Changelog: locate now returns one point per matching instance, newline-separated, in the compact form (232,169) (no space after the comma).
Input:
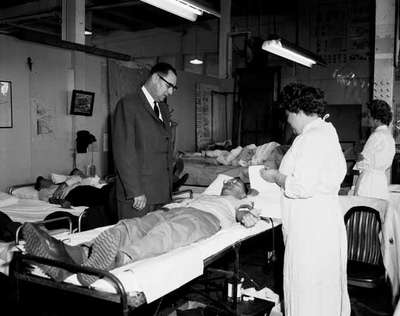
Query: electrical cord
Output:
(273,240)
(158,306)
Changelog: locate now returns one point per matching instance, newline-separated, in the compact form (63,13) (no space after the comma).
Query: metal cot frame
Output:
(127,302)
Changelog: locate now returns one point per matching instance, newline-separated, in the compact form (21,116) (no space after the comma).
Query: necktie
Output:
(156,110)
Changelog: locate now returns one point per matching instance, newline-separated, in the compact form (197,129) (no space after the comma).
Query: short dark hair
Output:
(162,68)
(380,111)
(38,183)
(296,96)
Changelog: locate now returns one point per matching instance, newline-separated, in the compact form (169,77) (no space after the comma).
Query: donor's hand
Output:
(246,218)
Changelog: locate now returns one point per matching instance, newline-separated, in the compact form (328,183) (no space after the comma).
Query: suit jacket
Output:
(142,150)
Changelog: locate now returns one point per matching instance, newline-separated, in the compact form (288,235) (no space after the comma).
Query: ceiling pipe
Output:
(111,6)
(46,39)
(24,27)
(30,17)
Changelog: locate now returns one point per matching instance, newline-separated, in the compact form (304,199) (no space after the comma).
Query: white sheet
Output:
(7,199)
(28,210)
(26,192)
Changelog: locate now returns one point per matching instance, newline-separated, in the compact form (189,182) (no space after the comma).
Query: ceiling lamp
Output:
(181,8)
(88,32)
(285,49)
(196,61)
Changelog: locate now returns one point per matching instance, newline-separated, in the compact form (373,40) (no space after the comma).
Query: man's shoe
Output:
(41,244)
(103,256)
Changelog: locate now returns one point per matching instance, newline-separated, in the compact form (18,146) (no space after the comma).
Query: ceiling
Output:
(108,16)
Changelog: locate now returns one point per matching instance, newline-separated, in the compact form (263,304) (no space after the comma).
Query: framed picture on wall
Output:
(6,118)
(82,103)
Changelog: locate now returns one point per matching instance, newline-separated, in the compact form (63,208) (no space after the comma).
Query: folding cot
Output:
(146,280)
(28,207)
(21,204)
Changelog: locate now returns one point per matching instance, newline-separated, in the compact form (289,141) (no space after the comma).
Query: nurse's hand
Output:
(269,175)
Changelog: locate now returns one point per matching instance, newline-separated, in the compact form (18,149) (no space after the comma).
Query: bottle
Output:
(238,291)
(91,170)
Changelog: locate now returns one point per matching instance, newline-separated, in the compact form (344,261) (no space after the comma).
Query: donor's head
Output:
(234,187)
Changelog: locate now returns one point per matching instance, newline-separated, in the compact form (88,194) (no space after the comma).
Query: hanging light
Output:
(184,9)
(285,49)
(196,60)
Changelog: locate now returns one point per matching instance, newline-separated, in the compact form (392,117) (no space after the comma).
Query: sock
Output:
(77,254)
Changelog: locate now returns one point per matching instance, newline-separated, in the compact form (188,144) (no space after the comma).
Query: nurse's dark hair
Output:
(162,68)
(380,111)
(297,96)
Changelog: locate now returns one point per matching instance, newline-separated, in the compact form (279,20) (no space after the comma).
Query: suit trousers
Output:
(162,231)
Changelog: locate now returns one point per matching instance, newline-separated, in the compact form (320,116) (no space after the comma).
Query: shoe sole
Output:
(103,256)
(35,245)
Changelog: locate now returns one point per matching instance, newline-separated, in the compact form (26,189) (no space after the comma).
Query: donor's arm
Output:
(245,216)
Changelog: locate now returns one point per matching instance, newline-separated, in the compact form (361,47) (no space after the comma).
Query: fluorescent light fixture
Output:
(196,61)
(180,8)
(87,32)
(285,49)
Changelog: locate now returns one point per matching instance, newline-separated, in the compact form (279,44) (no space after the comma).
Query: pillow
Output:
(215,187)
(58,178)
(7,199)
(26,192)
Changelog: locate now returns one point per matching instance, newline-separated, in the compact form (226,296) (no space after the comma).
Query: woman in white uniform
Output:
(377,155)
(315,280)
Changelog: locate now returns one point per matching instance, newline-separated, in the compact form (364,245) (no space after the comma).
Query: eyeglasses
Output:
(232,181)
(169,84)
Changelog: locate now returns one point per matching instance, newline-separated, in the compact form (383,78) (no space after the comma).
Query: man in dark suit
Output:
(142,145)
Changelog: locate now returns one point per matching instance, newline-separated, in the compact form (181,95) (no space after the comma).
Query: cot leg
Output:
(236,277)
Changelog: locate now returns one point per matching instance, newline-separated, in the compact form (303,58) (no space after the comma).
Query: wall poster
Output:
(204,116)
(6,119)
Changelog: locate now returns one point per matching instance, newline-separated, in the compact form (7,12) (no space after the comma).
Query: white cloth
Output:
(378,153)
(215,187)
(27,210)
(259,184)
(397,311)
(262,153)
(7,199)
(315,280)
(391,242)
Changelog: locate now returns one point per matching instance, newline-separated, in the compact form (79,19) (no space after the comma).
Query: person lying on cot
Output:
(142,237)
(76,190)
